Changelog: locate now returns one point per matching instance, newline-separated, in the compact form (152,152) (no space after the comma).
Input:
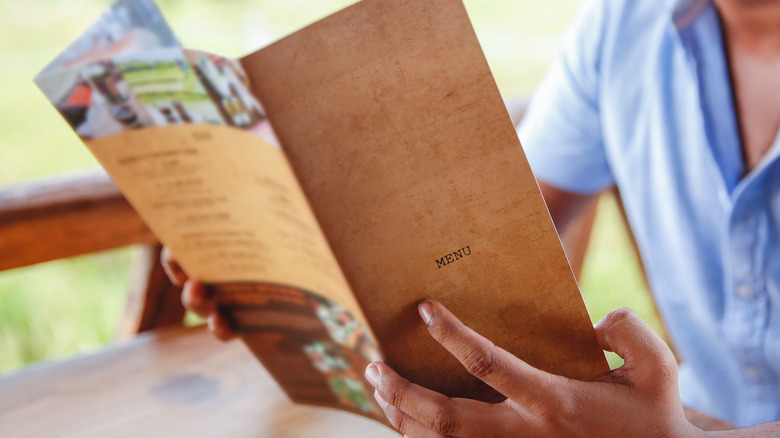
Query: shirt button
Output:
(746,292)
(752,373)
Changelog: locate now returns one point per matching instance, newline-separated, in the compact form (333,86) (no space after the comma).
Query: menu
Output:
(324,185)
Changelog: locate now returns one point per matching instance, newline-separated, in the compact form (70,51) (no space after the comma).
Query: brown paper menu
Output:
(399,178)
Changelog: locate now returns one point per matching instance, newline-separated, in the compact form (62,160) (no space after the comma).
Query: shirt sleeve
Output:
(561,132)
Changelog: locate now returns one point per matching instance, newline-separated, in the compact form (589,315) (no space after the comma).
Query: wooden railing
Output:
(81,213)
(65,216)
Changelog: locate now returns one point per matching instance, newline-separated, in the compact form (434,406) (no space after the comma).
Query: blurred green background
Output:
(65,307)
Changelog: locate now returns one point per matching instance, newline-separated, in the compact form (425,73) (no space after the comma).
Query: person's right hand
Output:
(196,297)
(639,399)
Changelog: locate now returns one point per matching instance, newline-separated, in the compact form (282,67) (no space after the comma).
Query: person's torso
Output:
(710,236)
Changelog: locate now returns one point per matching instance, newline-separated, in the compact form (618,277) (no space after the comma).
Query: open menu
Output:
(324,185)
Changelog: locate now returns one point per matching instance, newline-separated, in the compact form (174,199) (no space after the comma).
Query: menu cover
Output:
(324,185)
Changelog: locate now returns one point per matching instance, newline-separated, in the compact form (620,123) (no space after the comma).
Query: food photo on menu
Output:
(86,84)
(129,71)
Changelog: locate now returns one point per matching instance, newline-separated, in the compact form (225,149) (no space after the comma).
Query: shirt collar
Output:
(684,12)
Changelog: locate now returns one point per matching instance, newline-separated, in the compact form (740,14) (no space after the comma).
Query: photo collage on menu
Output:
(314,347)
(128,71)
(347,334)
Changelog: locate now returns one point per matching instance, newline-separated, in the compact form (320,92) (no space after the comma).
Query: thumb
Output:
(647,356)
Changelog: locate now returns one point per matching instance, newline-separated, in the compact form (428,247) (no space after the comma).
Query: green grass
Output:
(64,307)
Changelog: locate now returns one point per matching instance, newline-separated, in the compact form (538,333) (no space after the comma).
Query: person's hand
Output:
(196,298)
(639,399)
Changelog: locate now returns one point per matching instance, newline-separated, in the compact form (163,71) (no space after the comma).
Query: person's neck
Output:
(753,24)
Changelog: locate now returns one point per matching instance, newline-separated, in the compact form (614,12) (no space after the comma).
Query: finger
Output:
(495,366)
(404,423)
(645,353)
(196,297)
(443,415)
(172,268)
(220,327)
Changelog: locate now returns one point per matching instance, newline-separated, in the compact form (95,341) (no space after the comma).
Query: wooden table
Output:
(175,382)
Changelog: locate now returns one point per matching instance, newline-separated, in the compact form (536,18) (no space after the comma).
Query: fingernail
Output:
(426,310)
(382,403)
(372,375)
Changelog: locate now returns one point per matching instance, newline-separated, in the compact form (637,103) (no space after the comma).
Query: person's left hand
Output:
(639,399)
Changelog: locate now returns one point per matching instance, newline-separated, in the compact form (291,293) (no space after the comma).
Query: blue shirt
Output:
(641,97)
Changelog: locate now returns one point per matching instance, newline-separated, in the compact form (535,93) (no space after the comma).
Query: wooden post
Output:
(153,301)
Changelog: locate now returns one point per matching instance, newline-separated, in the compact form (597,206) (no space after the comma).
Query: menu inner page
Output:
(228,206)
(192,150)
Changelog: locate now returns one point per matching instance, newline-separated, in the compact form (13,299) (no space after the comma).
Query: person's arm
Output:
(564,206)
(639,399)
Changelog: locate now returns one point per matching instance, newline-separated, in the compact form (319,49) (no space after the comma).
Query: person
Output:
(677,103)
